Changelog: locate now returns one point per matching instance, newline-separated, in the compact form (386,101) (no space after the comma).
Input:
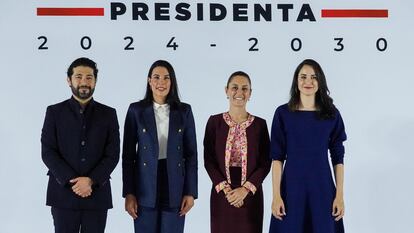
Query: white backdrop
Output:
(372,89)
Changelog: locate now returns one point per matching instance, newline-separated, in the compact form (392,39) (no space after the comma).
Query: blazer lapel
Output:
(174,127)
(149,121)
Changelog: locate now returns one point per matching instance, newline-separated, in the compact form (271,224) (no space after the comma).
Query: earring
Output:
(227,97)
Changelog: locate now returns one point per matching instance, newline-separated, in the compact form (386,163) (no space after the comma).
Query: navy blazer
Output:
(75,143)
(140,154)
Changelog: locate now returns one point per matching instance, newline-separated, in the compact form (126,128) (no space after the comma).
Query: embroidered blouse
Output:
(236,151)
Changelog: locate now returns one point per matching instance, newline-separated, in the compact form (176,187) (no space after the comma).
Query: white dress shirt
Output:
(162,119)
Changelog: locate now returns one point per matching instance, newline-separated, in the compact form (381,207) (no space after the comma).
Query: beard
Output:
(83,94)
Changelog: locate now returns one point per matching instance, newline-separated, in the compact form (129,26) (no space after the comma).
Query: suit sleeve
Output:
(51,156)
(190,155)
(263,166)
(101,173)
(278,139)
(338,136)
(129,153)
(210,161)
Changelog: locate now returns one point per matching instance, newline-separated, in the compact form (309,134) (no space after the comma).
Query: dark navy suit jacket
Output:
(75,143)
(140,154)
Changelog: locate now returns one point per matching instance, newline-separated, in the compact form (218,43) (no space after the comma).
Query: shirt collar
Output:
(76,105)
(158,106)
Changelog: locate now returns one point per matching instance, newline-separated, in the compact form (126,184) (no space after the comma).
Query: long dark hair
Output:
(173,98)
(323,102)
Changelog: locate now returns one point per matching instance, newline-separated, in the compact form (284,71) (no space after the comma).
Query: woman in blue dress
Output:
(305,199)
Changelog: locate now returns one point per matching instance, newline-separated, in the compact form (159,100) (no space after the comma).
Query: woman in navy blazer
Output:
(159,159)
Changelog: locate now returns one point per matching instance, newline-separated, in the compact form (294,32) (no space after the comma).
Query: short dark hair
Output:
(239,73)
(323,102)
(173,98)
(83,61)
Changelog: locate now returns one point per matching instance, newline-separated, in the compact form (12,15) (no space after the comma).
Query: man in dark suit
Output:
(80,147)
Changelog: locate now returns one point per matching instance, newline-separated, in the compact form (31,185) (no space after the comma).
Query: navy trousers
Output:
(162,218)
(75,221)
(158,220)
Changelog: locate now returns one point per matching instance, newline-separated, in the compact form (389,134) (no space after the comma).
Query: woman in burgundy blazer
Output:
(236,157)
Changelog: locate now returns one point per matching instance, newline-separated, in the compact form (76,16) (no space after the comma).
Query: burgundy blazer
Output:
(258,160)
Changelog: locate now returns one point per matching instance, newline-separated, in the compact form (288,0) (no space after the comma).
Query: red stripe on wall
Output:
(44,11)
(353,13)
